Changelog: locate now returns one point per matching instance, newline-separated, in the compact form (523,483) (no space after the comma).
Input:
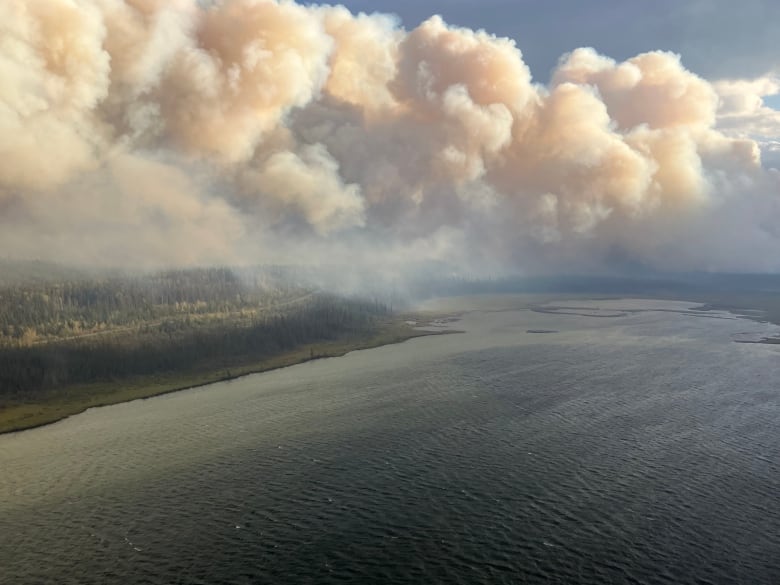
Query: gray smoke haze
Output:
(168,132)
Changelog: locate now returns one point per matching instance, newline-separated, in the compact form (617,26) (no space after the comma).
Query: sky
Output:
(495,137)
(717,38)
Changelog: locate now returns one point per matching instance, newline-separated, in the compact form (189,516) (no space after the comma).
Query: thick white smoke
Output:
(166,131)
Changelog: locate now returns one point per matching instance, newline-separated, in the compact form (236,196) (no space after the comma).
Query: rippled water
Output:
(621,446)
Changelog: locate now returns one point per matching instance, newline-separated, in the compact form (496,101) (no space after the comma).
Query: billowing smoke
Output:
(154,132)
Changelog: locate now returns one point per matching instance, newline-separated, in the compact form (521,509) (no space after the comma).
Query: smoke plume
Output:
(158,132)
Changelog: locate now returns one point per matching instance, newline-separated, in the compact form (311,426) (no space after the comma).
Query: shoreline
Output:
(68,402)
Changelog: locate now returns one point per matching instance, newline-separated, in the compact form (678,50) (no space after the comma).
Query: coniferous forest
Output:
(57,334)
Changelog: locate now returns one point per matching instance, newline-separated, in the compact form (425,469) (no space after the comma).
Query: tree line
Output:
(178,346)
(45,310)
(57,334)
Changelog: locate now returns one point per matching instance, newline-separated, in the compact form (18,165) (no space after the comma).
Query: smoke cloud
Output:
(159,132)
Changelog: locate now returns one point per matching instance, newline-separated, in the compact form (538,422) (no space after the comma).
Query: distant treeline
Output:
(672,284)
(50,309)
(756,295)
(57,333)
(649,284)
(180,346)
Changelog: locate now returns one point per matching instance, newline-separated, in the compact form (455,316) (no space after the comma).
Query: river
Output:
(621,441)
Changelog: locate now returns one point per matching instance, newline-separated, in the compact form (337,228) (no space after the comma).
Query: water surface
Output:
(634,442)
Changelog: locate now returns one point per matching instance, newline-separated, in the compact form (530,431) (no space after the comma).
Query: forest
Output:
(57,334)
(46,310)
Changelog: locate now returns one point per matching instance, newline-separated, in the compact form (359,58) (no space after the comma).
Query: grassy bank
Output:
(61,403)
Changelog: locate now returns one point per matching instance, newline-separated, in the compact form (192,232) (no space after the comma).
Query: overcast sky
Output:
(716,38)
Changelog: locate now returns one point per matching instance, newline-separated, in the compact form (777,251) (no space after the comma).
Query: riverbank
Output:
(57,405)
